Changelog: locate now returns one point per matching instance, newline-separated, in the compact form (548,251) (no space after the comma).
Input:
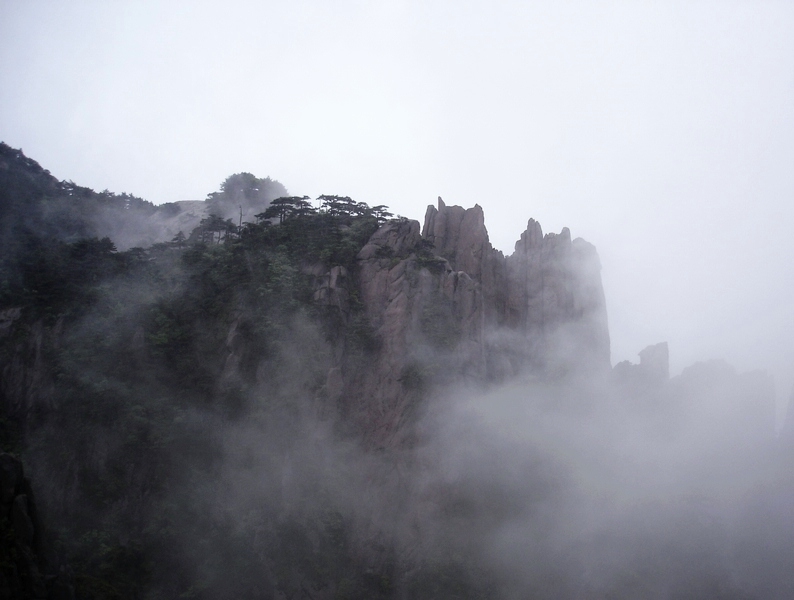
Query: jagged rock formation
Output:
(549,285)
(449,308)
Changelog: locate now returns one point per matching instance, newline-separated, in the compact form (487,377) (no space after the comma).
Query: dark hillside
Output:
(128,377)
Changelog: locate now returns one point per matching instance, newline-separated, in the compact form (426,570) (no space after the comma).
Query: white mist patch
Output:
(585,488)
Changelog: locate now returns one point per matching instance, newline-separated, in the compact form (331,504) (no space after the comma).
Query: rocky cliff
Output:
(440,307)
(198,418)
(449,309)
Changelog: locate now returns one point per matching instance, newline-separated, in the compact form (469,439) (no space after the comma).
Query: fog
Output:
(662,132)
(621,486)
(195,420)
(588,485)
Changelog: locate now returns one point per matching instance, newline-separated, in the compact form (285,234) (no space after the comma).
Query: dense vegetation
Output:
(146,431)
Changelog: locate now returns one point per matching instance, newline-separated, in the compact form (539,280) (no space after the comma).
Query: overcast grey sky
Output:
(663,132)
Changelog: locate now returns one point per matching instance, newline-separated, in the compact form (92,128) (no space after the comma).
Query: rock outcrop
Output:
(447,308)
(555,300)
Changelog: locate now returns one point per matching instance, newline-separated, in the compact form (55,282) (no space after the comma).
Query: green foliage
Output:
(142,351)
(52,277)
(427,259)
(207,230)
(127,451)
(243,192)
(37,212)
(434,264)
(332,236)
(288,207)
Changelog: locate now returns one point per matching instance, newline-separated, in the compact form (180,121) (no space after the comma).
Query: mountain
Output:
(33,202)
(333,403)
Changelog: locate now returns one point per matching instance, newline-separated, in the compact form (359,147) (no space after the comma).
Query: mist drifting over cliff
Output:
(330,402)
(583,490)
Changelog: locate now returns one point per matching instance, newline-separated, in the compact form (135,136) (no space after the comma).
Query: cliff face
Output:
(448,308)
(438,307)
(550,287)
